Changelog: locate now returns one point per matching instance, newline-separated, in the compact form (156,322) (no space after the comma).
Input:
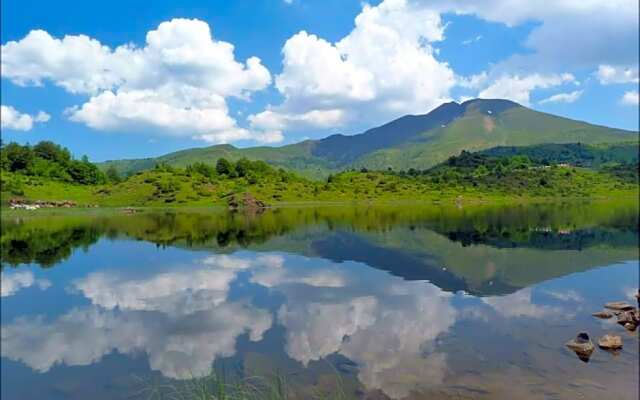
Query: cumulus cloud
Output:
(11,283)
(518,88)
(386,66)
(13,119)
(608,74)
(177,84)
(630,98)
(563,97)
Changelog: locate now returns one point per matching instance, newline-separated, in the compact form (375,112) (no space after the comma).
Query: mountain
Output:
(412,141)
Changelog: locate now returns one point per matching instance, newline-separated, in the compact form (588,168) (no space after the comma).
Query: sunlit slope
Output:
(481,128)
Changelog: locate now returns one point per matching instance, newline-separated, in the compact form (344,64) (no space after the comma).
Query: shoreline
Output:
(631,198)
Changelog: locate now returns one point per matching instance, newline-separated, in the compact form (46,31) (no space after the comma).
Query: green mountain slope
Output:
(412,141)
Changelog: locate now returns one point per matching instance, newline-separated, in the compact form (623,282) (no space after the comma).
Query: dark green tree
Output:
(223,166)
(17,158)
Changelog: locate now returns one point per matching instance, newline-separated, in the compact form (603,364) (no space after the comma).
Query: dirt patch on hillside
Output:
(489,124)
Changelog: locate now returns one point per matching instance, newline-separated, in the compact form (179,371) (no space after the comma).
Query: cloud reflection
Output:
(184,317)
(181,319)
(11,283)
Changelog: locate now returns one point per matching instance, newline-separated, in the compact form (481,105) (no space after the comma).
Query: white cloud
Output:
(630,98)
(568,33)
(275,120)
(13,119)
(11,283)
(386,66)
(475,39)
(518,88)
(177,84)
(563,97)
(608,74)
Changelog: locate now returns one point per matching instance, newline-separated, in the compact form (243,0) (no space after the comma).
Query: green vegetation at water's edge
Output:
(47,172)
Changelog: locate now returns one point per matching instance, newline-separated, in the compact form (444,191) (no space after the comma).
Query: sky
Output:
(127,79)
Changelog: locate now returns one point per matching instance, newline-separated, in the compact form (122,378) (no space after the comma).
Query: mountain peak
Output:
(495,106)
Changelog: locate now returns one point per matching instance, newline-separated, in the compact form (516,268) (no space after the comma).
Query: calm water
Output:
(391,302)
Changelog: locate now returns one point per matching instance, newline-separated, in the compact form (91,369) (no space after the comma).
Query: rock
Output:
(245,202)
(610,342)
(603,314)
(626,316)
(27,205)
(582,346)
(630,326)
(619,305)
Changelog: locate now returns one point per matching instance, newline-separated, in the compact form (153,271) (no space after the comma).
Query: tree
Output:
(243,166)
(223,166)
(85,173)
(17,158)
(52,152)
(113,175)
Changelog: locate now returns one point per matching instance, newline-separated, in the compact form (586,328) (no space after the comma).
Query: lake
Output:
(404,302)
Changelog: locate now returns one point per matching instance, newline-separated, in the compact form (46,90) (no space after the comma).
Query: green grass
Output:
(160,189)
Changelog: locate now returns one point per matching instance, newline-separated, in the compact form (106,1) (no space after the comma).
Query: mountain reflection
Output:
(481,250)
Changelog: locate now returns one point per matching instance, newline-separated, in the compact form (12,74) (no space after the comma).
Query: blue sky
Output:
(125,79)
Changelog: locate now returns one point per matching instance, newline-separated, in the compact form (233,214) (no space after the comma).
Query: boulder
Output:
(610,342)
(626,316)
(582,346)
(245,201)
(603,314)
(619,305)
(630,326)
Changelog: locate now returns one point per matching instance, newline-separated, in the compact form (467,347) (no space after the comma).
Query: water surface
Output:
(386,302)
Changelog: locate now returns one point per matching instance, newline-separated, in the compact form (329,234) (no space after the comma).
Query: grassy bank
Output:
(48,173)
(161,188)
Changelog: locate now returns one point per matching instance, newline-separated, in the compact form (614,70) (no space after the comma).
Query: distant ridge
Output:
(411,141)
